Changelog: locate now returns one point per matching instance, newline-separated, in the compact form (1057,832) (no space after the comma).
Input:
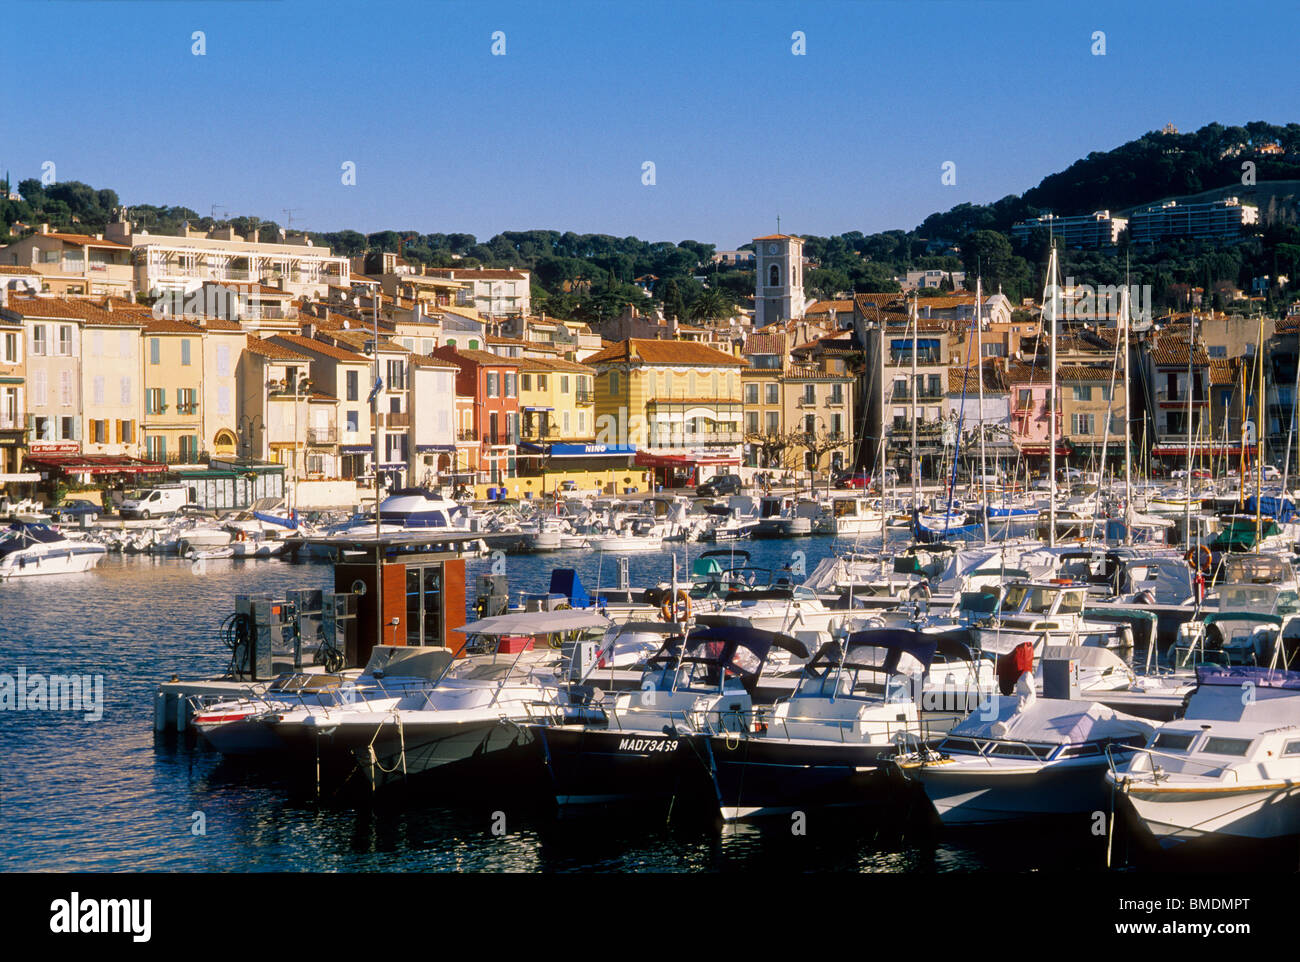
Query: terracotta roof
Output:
(546,364)
(1088,372)
(688,353)
(964,378)
(320,347)
(84,240)
(484,358)
(825,307)
(276,352)
(68,308)
(779,237)
(15,269)
(1224,370)
(426,360)
(1170,348)
(218,325)
(169,325)
(765,344)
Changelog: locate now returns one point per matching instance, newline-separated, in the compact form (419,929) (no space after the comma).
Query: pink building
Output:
(1030,426)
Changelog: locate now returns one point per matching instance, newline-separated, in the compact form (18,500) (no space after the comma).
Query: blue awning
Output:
(435,447)
(354,449)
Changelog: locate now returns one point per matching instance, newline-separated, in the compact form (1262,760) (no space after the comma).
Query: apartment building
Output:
(680,403)
(52,332)
(1226,218)
(1098,229)
(347,376)
(173,392)
(13,396)
(498,292)
(73,264)
(184,262)
(764,424)
(433,408)
(493,382)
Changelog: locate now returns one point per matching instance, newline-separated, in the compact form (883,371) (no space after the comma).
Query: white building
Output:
(500,292)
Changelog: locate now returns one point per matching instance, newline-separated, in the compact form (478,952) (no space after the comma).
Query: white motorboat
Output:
(28,549)
(636,535)
(1021,756)
(1045,614)
(785,516)
(849,515)
(1230,767)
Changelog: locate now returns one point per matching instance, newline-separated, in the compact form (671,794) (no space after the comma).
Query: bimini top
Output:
(862,646)
(21,534)
(397,661)
(741,651)
(536,623)
(1054,721)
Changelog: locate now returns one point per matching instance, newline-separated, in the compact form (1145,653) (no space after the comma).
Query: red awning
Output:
(1174,450)
(647,460)
(1042,449)
(93,464)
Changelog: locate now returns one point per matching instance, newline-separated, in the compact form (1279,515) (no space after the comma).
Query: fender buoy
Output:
(1199,558)
(674,604)
(241,535)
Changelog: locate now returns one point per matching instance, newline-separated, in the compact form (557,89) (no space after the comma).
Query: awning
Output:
(355,449)
(1042,449)
(422,448)
(648,460)
(1167,450)
(530,407)
(94,464)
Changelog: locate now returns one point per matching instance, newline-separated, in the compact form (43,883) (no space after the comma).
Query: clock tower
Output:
(778,284)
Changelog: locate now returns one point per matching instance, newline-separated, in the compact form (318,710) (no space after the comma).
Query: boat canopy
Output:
(1221,695)
(1054,721)
(740,650)
(536,623)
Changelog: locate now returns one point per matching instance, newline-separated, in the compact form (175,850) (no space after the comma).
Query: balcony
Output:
(922,357)
(466,436)
(1166,396)
(12,422)
(584,397)
(394,420)
(325,435)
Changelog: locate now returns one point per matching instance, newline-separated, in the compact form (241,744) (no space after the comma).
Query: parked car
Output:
(857,479)
(157,502)
(718,486)
(74,509)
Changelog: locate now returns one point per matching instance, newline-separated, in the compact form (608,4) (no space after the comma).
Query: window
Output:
(124,344)
(38,339)
(155,351)
(11,348)
(810,394)
(223,399)
(97,390)
(751,422)
(773,277)
(541,382)
(185,351)
(44,426)
(353,385)
(189,448)
(97,344)
(1081,424)
(40,388)
(511,378)
(1173,741)
(1217,350)
(1105,392)
(99,432)
(223,360)
(68,428)
(564,384)
(155,401)
(155,448)
(354,421)
(125,390)
(837,425)
(613,382)
(837,394)
(1218,745)
(126,432)
(1022,399)
(1082,393)
(65,340)
(773,393)
(65,388)
(526,382)
(397,375)
(773,422)
(493,385)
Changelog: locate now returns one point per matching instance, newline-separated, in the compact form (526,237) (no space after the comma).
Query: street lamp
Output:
(247,423)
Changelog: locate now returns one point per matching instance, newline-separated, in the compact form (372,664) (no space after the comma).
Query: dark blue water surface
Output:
(109,795)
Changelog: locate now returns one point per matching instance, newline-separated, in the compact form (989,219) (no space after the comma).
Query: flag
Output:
(374,391)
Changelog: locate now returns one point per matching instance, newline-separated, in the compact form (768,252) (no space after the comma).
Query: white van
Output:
(157,502)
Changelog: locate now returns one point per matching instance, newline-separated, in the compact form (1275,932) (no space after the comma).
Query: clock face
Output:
(771,248)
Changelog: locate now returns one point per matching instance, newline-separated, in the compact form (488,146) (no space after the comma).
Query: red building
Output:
(493,382)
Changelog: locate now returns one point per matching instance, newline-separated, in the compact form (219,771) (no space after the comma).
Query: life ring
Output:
(1203,554)
(669,609)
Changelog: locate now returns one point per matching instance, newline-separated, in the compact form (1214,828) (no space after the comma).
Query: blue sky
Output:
(447,137)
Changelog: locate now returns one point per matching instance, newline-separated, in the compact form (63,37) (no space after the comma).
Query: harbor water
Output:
(81,793)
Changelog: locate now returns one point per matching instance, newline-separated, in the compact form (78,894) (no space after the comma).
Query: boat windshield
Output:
(1257,570)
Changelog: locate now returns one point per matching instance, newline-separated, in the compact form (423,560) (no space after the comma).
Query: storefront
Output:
(685,470)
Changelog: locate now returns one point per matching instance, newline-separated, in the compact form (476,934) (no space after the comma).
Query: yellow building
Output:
(679,403)
(764,413)
(173,391)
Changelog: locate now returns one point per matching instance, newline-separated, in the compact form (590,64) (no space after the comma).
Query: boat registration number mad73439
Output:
(647,745)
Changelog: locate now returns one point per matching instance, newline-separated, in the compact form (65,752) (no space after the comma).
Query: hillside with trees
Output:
(594,276)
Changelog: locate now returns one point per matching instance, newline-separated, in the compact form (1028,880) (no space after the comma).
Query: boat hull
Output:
(976,794)
(1175,815)
(589,765)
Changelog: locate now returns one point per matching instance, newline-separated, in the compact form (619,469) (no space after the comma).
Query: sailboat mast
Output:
(1259,430)
(916,458)
(979,377)
(1054,288)
(1128,426)
(1191,344)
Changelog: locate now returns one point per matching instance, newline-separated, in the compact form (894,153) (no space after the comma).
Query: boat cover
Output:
(1049,721)
(536,623)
